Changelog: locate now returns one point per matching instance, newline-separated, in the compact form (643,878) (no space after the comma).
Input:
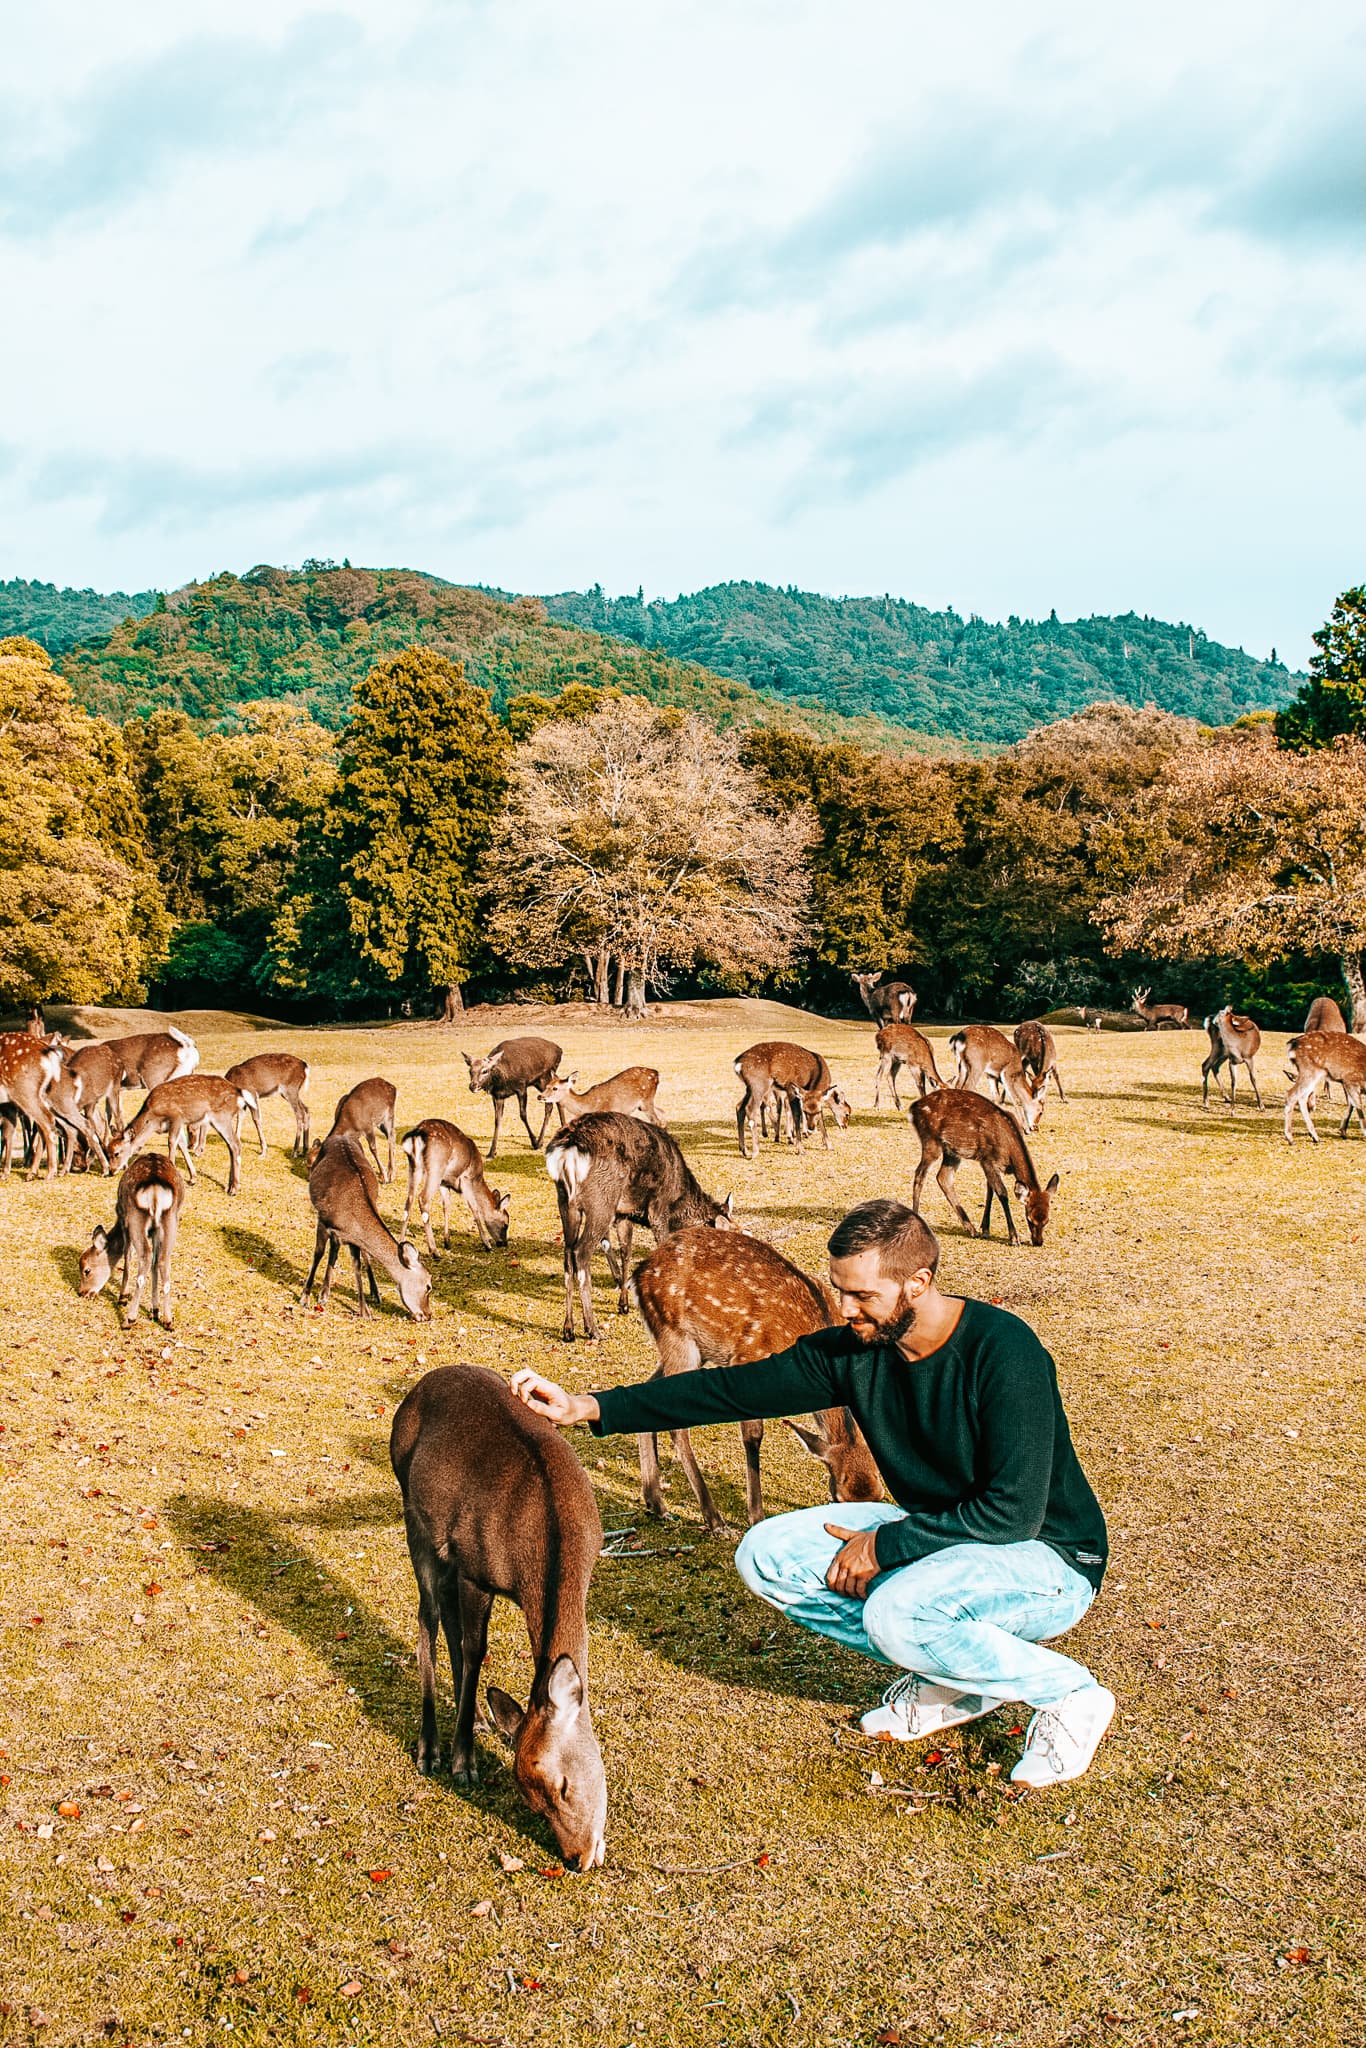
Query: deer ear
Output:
(407,1253)
(468,1061)
(507,1715)
(564,1687)
(811,1439)
(1052,1187)
(505,1202)
(100,1239)
(728,1207)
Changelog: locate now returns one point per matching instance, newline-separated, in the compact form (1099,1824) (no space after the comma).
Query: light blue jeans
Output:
(973,1616)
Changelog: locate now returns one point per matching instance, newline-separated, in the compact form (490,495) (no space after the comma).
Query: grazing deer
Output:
(1160,1016)
(1321,1056)
(984,1053)
(888,1002)
(1325,1015)
(955,1125)
(146,1218)
(494,1501)
(785,1078)
(28,1069)
(98,1072)
(151,1057)
(1234,1042)
(632,1092)
(512,1067)
(901,1045)
(1038,1051)
(65,1098)
(441,1158)
(363,1110)
(721,1298)
(184,1110)
(344,1193)
(275,1073)
(612,1172)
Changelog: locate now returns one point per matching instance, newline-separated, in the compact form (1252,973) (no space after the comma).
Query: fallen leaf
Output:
(1299,1956)
(241,1977)
(68,1809)
(483,1909)
(352,1988)
(152,1590)
(510,1862)
(304,1993)
(936,1756)
(763,1860)
(378,1876)
(553,1870)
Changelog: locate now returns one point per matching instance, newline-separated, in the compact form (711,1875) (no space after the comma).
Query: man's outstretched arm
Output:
(792,1381)
(553,1401)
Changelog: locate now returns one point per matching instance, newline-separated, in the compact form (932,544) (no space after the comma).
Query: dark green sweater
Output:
(971,1440)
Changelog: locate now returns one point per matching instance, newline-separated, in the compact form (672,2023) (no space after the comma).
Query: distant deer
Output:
(632,1092)
(612,1172)
(1234,1042)
(494,1501)
(150,1198)
(367,1108)
(275,1073)
(1324,1015)
(901,1045)
(985,1054)
(720,1298)
(782,1077)
(151,1057)
(888,1002)
(344,1193)
(182,1110)
(34,1024)
(441,1158)
(955,1125)
(512,1067)
(28,1069)
(1160,1016)
(1317,1057)
(1038,1051)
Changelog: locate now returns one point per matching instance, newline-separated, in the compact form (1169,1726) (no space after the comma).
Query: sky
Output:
(1001,307)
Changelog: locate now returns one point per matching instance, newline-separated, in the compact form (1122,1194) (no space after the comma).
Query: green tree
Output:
(1333,702)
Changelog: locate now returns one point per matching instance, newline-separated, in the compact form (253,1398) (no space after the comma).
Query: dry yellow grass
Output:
(209,1615)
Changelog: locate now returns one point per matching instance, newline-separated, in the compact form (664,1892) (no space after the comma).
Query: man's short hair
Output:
(901,1237)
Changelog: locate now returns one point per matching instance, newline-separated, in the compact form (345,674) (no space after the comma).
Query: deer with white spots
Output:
(632,1092)
(793,1083)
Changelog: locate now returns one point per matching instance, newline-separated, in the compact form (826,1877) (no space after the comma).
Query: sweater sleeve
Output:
(1014,1465)
(804,1376)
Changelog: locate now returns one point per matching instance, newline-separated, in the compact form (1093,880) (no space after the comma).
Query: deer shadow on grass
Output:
(67,1259)
(262,1253)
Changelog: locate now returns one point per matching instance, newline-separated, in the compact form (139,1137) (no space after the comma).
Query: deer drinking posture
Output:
(901,1045)
(441,1158)
(610,1173)
(344,1193)
(512,1067)
(1321,1056)
(955,1125)
(184,1110)
(985,1054)
(146,1218)
(887,1002)
(721,1298)
(1038,1051)
(275,1073)
(494,1501)
(632,1092)
(791,1081)
(364,1110)
(1234,1042)
(1160,1016)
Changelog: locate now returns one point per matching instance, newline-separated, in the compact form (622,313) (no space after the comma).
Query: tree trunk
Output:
(602,976)
(635,992)
(1356,990)
(620,982)
(452,1003)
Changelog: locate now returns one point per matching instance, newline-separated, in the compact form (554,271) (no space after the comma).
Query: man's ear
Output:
(507,1716)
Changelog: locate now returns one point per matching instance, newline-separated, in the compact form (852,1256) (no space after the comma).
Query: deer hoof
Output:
(428,1758)
(466,1773)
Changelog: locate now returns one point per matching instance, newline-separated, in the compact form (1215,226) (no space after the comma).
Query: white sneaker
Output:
(1063,1738)
(913,1707)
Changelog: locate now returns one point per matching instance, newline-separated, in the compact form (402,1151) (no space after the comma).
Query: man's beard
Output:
(890,1332)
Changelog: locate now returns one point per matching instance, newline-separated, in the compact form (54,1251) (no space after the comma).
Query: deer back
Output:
(632,1092)
(777,1062)
(96,1067)
(903,1042)
(1325,1015)
(366,1107)
(1335,1054)
(28,1069)
(617,1165)
(151,1057)
(269,1073)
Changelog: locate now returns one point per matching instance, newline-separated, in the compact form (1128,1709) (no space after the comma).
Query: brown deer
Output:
(786,1079)
(66,1100)
(183,1111)
(35,1024)
(955,1125)
(494,1501)
(28,1069)
(612,1172)
(1325,1015)
(901,1045)
(98,1072)
(1234,1042)
(441,1158)
(887,1002)
(151,1057)
(146,1218)
(985,1054)
(344,1193)
(510,1068)
(721,1298)
(1321,1056)
(1038,1051)
(365,1109)
(275,1073)
(1159,1016)
(632,1092)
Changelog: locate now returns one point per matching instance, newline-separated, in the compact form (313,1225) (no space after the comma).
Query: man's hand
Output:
(854,1565)
(544,1397)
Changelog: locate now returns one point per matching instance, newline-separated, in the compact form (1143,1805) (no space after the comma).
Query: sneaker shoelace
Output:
(904,1692)
(1043,1740)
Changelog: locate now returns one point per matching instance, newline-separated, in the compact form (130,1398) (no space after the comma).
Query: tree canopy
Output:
(1333,701)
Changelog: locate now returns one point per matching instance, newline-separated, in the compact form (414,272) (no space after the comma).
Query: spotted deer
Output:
(1317,1057)
(632,1092)
(183,1111)
(150,1057)
(796,1085)
(147,1210)
(28,1069)
(901,1045)
(955,1125)
(985,1054)
(1325,1015)
(1234,1042)
(1159,1016)
(441,1159)
(1038,1051)
(509,1069)
(275,1073)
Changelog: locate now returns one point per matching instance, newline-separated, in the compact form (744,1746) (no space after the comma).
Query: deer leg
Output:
(498,1102)
(44,1123)
(742,1125)
(373,1283)
(389,1133)
(165,1251)
(126,1283)
(426,1571)
(1302,1096)
(752,1436)
(947,1178)
(469,1612)
(537,1142)
(996,1186)
(651,1488)
(144,1260)
(445,1221)
(712,1521)
(929,1155)
(1252,1077)
(254,1112)
(359,1263)
(228,1133)
(625,1231)
(333,1250)
(176,1134)
(521,1110)
(1057,1078)
(319,1246)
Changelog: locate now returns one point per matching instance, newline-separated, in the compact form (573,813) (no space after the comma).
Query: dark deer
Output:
(901,1045)
(183,1111)
(28,1069)
(275,1073)
(955,1125)
(632,1092)
(1234,1042)
(1038,1051)
(151,1057)
(985,1054)
(344,1193)
(146,1218)
(367,1108)
(441,1158)
(612,1172)
(785,1079)
(512,1067)
(721,1298)
(1317,1057)
(1160,1016)
(494,1501)
(888,1002)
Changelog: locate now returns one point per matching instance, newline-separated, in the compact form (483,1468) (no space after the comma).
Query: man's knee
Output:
(896,1615)
(782,1550)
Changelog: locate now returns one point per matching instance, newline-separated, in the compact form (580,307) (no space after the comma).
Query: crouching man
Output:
(996,1542)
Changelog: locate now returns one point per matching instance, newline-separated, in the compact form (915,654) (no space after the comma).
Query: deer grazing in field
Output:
(887,1002)
(1159,1016)
(901,1045)
(275,1073)
(441,1159)
(150,1057)
(1038,1051)
(146,1218)
(495,1501)
(955,1125)
(985,1054)
(612,1172)
(1234,1042)
(363,1111)
(791,1081)
(28,1069)
(75,1127)
(720,1298)
(185,1111)
(1317,1057)
(512,1067)
(344,1193)
(98,1073)
(632,1092)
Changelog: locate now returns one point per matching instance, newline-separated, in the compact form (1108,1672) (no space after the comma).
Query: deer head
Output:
(95,1265)
(836,1103)
(560,1089)
(1037,1203)
(556,1759)
(848,1462)
(1140,999)
(480,1069)
(496,1218)
(414,1283)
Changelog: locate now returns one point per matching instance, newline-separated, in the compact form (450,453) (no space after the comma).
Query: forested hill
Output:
(58,618)
(965,678)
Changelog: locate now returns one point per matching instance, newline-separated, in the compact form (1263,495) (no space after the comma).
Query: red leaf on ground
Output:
(1297,1955)
(378,1876)
(936,1756)
(763,1860)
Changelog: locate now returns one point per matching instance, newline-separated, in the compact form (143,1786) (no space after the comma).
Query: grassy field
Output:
(209,1620)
